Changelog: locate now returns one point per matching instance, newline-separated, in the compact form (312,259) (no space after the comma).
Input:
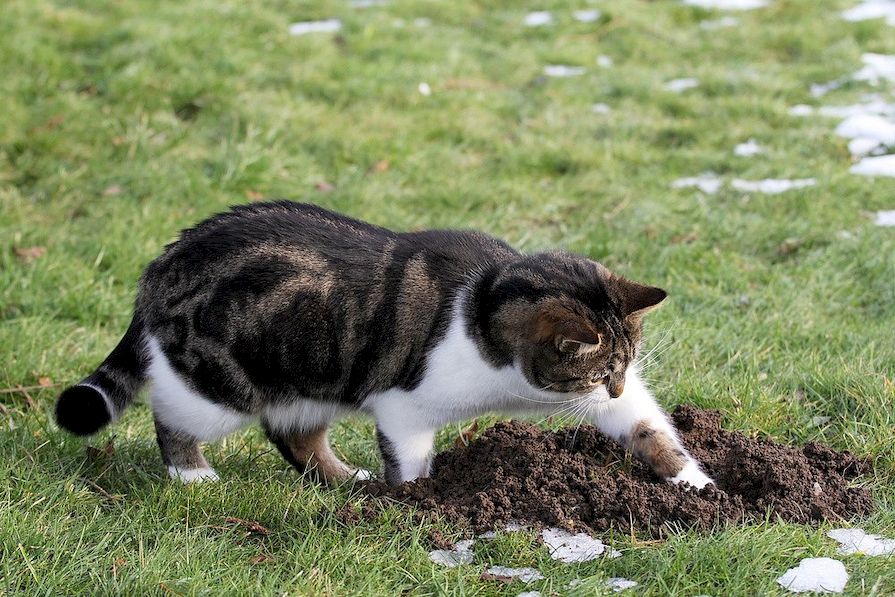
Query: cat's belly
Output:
(181,408)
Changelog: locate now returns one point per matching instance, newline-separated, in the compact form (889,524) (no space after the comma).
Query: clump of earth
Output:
(583,481)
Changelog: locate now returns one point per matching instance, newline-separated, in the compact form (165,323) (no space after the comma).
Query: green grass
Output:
(124,121)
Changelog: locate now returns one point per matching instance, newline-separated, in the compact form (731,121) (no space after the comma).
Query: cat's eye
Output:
(600,377)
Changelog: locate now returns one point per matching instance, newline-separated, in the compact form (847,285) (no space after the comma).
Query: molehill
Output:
(583,481)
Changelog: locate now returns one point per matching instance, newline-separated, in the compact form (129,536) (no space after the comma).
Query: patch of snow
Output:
(562,70)
(538,18)
(424,89)
(487,535)
(872,106)
(460,554)
(721,23)
(861,146)
(515,526)
(867,132)
(570,548)
(771,186)
(728,4)
(679,85)
(707,182)
(619,584)
(822,575)
(586,16)
(604,61)
(877,67)
(529,594)
(801,110)
(821,89)
(876,166)
(305,27)
(749,148)
(601,108)
(526,575)
(856,540)
(885,218)
(872,9)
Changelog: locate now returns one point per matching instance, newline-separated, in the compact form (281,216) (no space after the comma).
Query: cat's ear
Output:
(639,299)
(569,332)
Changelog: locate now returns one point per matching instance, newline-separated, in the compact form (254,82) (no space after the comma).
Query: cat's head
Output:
(569,324)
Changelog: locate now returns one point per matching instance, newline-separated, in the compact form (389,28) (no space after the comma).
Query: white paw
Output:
(192,475)
(692,474)
(362,474)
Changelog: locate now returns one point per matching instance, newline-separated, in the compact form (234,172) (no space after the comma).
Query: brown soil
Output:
(584,481)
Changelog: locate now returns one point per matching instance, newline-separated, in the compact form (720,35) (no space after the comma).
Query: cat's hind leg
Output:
(310,453)
(182,455)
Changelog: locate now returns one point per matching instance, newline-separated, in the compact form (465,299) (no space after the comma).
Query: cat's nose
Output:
(615,387)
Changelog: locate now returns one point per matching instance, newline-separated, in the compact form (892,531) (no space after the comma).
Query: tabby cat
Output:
(295,316)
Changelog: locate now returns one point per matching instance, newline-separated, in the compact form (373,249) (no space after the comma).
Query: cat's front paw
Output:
(693,475)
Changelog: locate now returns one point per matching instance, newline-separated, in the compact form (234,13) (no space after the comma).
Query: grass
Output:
(124,121)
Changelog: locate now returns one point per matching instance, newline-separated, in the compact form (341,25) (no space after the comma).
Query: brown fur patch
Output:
(657,449)
(313,450)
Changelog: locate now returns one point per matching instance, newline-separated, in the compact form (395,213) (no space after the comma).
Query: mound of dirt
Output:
(584,481)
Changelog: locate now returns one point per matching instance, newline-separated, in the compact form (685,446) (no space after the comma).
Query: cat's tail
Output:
(103,395)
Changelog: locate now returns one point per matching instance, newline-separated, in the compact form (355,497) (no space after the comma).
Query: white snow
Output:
(801,110)
(728,4)
(721,23)
(538,18)
(820,89)
(771,186)
(679,85)
(872,104)
(619,584)
(883,165)
(526,575)
(563,70)
(707,182)
(305,27)
(872,9)
(604,61)
(460,554)
(749,148)
(877,67)
(511,527)
(586,16)
(424,89)
(822,575)
(601,108)
(861,146)
(529,594)
(570,548)
(867,132)
(885,218)
(856,540)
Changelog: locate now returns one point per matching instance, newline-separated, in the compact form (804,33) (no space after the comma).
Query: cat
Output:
(296,316)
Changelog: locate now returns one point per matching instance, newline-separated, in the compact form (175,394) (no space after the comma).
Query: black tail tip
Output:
(82,410)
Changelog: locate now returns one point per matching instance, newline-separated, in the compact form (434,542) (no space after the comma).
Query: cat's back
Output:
(260,226)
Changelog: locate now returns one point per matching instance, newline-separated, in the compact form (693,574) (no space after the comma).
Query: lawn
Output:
(123,122)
